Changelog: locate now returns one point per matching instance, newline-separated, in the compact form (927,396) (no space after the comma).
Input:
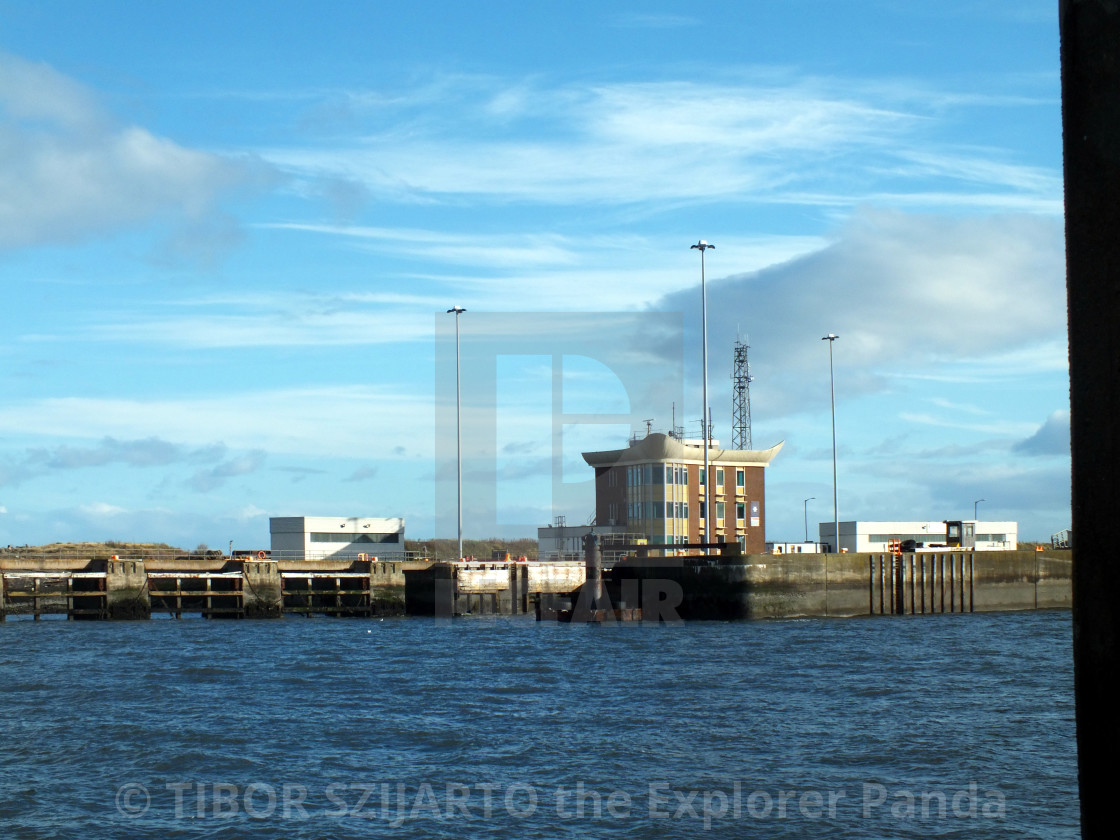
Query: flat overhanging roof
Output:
(662,447)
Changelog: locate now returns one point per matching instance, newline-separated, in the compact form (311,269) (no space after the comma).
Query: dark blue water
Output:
(946,726)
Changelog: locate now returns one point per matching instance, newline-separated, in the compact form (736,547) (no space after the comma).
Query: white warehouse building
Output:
(869,536)
(336,537)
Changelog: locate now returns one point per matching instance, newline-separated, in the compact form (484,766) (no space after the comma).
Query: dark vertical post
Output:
(922,560)
(882,584)
(1090,38)
(941,562)
(912,581)
(870,585)
(593,563)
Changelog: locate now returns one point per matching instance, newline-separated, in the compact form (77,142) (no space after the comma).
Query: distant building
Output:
(336,537)
(794,548)
(876,536)
(656,487)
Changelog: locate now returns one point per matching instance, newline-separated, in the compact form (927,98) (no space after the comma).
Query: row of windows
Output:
(678,510)
(930,537)
(333,537)
(640,474)
(654,510)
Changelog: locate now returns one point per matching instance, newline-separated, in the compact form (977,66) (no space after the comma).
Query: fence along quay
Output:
(725,586)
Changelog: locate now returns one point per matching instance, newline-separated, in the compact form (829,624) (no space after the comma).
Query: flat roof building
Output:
(864,536)
(336,537)
(656,487)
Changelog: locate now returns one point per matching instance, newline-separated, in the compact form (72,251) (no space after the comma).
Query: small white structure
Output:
(336,537)
(794,548)
(876,536)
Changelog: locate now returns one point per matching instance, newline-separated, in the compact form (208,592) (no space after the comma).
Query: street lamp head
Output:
(829,337)
(703,245)
(456,309)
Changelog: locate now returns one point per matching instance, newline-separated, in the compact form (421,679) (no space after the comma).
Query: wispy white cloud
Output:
(333,422)
(526,250)
(775,138)
(68,170)
(1010,429)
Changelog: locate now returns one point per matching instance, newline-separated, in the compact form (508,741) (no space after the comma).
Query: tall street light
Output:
(830,338)
(811,498)
(974,504)
(458,310)
(703,246)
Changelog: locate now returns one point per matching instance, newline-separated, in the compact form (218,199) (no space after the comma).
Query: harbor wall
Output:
(721,587)
(793,585)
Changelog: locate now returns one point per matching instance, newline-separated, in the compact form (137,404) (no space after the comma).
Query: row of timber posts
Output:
(922,582)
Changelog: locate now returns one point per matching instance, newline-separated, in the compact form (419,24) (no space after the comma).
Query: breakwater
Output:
(722,586)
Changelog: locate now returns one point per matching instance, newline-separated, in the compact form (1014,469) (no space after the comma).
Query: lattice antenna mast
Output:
(741,398)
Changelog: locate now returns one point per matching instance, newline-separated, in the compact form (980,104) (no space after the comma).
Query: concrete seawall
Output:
(791,585)
(720,587)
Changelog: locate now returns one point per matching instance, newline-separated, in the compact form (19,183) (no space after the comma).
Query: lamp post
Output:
(458,310)
(974,504)
(807,517)
(703,246)
(830,338)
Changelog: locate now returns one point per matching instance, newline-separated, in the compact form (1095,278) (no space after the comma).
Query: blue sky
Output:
(229,236)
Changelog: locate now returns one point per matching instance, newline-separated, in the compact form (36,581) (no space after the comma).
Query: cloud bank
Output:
(69,171)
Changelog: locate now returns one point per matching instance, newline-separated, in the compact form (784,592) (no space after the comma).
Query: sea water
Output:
(919,726)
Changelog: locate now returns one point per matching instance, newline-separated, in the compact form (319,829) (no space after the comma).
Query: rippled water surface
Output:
(947,726)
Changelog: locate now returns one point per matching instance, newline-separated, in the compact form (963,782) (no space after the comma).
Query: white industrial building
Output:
(876,536)
(794,548)
(336,537)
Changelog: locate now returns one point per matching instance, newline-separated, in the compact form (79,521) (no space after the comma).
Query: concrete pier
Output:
(126,590)
(445,590)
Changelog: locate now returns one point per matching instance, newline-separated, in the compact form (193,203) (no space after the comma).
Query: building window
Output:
(332,537)
(719,477)
(740,511)
(740,478)
(703,510)
(719,511)
(702,482)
